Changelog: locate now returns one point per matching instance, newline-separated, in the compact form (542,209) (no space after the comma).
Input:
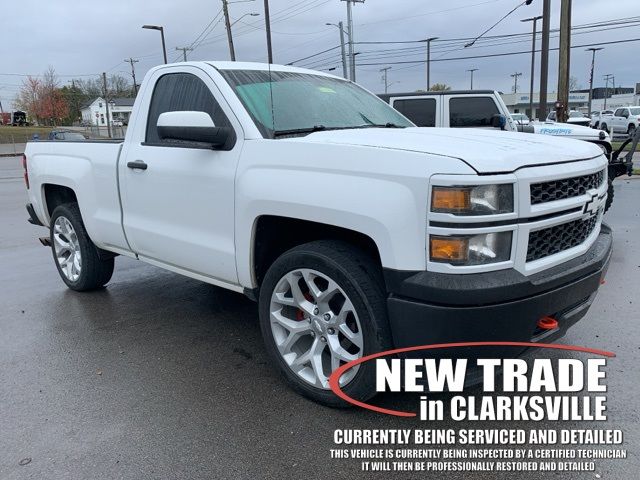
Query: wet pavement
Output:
(160,376)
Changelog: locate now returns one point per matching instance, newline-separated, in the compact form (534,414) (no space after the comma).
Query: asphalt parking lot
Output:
(160,376)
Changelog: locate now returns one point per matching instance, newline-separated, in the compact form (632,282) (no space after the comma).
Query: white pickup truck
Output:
(623,120)
(483,109)
(354,230)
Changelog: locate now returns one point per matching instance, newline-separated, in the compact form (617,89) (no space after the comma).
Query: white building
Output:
(95,112)
(519,102)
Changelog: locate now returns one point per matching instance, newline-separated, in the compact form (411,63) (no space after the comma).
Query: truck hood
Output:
(486,151)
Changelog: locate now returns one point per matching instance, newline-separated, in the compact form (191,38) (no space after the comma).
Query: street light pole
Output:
(472,70)
(533,61)
(429,40)
(161,29)
(593,66)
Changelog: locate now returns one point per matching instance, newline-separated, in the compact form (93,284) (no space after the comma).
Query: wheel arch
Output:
(55,195)
(273,235)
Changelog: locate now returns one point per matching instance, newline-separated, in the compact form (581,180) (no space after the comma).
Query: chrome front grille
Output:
(556,239)
(565,188)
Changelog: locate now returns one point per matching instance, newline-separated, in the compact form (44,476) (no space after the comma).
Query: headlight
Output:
(473,200)
(463,250)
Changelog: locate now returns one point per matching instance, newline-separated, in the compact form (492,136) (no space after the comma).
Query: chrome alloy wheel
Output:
(67,249)
(315,326)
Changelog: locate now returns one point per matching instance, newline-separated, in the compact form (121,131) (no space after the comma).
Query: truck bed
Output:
(89,168)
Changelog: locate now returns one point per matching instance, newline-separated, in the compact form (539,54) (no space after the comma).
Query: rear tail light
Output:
(26,172)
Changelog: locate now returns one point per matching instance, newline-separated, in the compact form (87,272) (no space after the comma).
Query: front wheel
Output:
(76,257)
(604,128)
(322,305)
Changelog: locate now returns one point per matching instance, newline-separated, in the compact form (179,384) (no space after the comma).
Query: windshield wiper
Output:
(299,131)
(376,125)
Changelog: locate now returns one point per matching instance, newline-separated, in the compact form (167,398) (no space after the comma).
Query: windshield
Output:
(303,103)
(635,111)
(576,115)
(518,116)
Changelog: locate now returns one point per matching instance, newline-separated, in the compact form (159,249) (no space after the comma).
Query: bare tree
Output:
(574,84)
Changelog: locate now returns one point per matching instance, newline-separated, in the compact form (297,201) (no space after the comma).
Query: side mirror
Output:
(192,127)
(498,121)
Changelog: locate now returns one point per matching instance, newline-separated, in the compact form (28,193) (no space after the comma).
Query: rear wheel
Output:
(631,131)
(322,305)
(76,257)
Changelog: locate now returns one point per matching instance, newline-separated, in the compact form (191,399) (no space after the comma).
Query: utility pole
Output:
(544,58)
(227,22)
(515,77)
(472,70)
(340,26)
(133,74)
(593,66)
(352,55)
(429,40)
(533,62)
(184,51)
(267,24)
(565,61)
(607,77)
(106,103)
(385,78)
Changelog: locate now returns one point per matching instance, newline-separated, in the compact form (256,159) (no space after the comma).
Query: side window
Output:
(619,112)
(177,92)
(471,111)
(421,111)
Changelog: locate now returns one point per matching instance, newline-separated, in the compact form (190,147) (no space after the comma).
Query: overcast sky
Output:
(80,38)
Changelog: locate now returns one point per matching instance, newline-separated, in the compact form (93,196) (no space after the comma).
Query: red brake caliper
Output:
(300,313)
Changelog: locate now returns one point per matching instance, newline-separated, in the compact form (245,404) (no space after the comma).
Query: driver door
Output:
(178,210)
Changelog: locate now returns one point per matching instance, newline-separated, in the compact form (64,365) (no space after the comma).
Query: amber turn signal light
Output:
(447,199)
(448,249)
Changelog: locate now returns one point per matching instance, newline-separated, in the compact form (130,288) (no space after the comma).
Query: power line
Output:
(501,54)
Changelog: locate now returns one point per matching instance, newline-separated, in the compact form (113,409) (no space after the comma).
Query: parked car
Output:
(65,135)
(354,230)
(596,117)
(486,109)
(116,122)
(575,118)
(520,119)
(624,120)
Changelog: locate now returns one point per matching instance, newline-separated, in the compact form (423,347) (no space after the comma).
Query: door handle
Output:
(137,165)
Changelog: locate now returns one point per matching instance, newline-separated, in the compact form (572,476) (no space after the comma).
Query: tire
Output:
(610,193)
(631,131)
(359,280)
(597,125)
(604,127)
(76,257)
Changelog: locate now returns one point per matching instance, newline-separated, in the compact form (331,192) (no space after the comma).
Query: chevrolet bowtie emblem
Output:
(591,207)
